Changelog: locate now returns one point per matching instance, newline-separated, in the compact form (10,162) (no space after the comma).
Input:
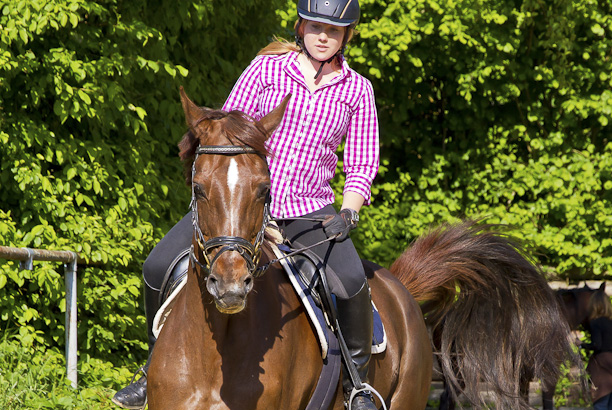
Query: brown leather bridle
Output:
(250,252)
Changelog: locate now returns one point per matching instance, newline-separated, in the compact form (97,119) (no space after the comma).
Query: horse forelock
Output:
(216,127)
(247,131)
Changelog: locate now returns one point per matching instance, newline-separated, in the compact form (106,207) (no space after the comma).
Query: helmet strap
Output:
(329,60)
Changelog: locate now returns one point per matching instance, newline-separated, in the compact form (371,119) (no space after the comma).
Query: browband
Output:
(225,149)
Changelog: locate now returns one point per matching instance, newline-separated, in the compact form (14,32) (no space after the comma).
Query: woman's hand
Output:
(341,224)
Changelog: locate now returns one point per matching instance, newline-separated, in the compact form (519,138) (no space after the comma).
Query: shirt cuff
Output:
(361,185)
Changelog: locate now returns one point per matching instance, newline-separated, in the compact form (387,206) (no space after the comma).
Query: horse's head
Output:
(225,158)
(575,302)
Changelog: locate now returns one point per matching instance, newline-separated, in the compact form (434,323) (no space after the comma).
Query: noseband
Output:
(250,252)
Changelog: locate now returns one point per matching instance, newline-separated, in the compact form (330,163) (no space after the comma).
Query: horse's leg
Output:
(548,392)
(525,383)
(446,399)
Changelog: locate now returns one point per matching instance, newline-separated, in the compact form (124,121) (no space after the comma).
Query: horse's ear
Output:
(274,117)
(193,113)
(602,286)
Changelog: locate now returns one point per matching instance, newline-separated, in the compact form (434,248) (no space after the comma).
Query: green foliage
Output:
(89,121)
(35,378)
(487,108)
(568,391)
(492,109)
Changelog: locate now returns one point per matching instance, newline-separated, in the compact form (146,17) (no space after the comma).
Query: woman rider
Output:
(600,362)
(329,101)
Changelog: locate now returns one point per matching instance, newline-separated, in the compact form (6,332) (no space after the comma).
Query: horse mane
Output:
(237,127)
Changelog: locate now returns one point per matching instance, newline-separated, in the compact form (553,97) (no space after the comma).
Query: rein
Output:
(294,252)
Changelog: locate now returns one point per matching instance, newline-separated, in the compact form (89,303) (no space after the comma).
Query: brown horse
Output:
(575,306)
(216,351)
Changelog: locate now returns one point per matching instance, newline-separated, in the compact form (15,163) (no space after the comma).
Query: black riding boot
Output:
(356,323)
(134,396)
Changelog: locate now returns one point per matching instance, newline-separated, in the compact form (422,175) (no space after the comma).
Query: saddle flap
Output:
(304,273)
(307,271)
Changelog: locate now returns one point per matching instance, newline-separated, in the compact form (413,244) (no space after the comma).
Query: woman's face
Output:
(322,40)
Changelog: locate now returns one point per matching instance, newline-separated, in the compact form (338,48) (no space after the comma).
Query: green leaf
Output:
(153,65)
(141,113)
(23,34)
(182,71)
(83,95)
(74,20)
(122,203)
(71,173)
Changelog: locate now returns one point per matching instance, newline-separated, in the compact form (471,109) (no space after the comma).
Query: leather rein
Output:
(250,252)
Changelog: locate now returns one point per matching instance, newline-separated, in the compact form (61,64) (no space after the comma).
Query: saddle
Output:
(306,273)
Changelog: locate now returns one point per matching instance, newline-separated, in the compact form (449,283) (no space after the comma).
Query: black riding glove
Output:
(341,224)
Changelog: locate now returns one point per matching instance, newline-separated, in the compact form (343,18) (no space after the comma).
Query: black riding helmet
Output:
(343,13)
(335,12)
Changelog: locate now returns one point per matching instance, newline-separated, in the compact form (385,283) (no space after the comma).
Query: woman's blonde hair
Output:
(281,46)
(600,306)
(278,46)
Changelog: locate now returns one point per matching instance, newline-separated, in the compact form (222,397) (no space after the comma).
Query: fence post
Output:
(70,270)
(26,256)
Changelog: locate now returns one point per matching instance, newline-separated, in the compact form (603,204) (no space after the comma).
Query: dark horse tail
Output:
(493,316)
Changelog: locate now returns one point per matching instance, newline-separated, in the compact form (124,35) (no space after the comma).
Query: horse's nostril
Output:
(248,282)
(212,285)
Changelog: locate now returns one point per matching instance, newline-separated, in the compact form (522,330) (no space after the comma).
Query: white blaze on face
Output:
(232,181)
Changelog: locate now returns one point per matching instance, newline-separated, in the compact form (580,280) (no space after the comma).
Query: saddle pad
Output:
(316,315)
(166,308)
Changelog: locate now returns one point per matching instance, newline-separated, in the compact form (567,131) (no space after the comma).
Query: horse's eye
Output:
(263,190)
(199,191)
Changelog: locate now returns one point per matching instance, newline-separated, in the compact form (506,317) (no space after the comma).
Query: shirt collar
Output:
(293,70)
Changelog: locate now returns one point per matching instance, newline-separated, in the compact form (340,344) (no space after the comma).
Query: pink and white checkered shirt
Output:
(305,142)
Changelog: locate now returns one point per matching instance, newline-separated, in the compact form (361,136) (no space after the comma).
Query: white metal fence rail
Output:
(27,256)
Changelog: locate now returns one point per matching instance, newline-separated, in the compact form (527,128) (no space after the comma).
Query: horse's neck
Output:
(576,313)
(270,301)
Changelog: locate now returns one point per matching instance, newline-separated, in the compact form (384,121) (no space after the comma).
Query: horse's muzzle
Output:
(230,308)
(230,297)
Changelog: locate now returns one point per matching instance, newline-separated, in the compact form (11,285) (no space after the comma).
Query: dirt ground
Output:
(535,397)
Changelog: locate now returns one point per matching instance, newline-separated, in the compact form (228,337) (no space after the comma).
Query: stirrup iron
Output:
(365,387)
